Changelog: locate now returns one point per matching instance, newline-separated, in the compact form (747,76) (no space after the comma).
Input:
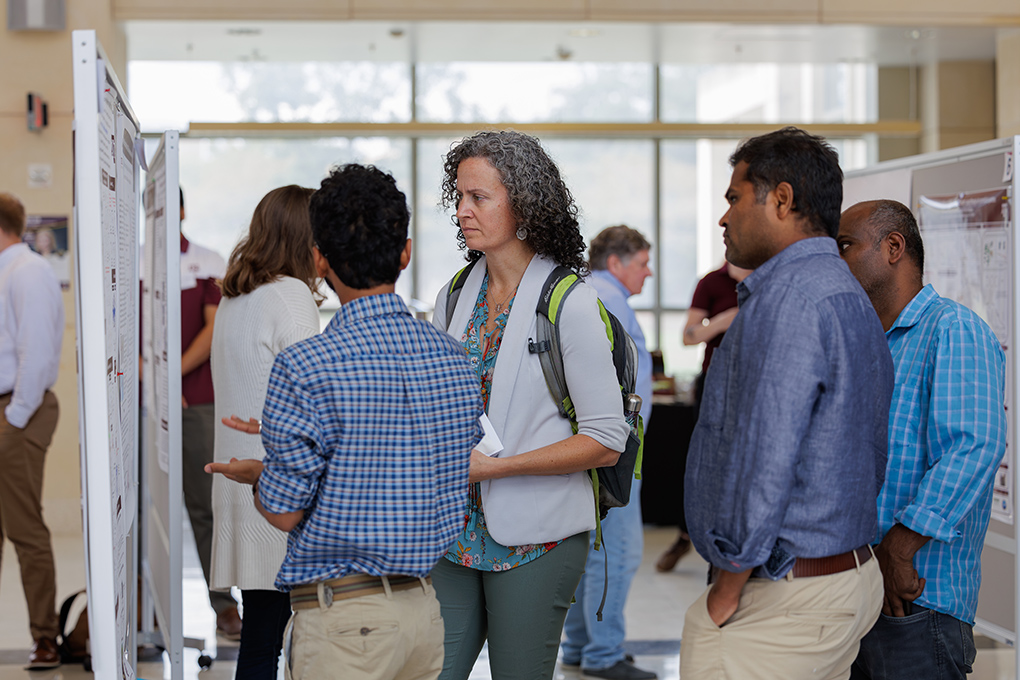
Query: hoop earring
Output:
(522,233)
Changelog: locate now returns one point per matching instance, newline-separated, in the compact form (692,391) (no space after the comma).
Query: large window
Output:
(627,172)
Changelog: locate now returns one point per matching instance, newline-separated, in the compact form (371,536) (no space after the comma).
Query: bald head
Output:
(880,242)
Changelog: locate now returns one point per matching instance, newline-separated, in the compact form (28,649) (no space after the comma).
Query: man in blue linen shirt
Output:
(31,331)
(618,257)
(947,435)
(789,452)
(368,430)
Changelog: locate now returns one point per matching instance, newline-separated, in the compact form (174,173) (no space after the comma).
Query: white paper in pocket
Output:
(490,444)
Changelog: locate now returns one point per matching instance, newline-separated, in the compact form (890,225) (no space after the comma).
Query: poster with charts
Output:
(968,243)
(126,360)
(155,224)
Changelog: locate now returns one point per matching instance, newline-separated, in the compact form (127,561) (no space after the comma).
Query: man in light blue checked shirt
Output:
(947,435)
(368,430)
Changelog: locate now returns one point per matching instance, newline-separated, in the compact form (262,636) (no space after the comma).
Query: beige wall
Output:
(898,100)
(929,12)
(40,62)
(1007,74)
(957,104)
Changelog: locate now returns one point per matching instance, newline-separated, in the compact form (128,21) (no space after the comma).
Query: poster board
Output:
(965,201)
(106,303)
(162,487)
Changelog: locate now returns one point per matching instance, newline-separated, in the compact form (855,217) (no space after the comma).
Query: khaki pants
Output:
(22,459)
(394,636)
(786,629)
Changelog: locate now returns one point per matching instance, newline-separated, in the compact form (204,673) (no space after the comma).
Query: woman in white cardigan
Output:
(269,303)
(510,576)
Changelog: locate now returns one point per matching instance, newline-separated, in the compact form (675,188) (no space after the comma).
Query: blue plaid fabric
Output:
(368,428)
(947,435)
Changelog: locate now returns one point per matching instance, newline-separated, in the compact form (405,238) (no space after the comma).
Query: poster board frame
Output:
(107,525)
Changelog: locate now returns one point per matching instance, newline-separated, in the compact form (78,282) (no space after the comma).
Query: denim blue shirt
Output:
(368,428)
(790,448)
(614,297)
(947,435)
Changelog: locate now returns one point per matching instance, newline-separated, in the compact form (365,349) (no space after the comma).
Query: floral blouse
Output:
(474,547)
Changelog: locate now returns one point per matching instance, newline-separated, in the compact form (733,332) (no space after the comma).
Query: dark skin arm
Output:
(896,559)
(724,596)
(198,351)
(248,471)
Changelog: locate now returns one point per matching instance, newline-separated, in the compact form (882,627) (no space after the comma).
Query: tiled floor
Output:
(654,619)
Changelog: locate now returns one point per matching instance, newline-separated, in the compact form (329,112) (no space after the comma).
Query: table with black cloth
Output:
(665,459)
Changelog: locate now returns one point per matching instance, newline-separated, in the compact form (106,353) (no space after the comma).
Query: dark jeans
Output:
(926,645)
(266,613)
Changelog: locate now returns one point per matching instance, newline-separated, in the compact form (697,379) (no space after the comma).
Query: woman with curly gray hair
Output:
(510,576)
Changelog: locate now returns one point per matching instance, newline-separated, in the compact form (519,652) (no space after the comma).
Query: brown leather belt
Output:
(806,567)
(355,585)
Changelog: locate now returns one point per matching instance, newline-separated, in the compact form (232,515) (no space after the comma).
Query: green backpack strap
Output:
(558,285)
(555,290)
(453,291)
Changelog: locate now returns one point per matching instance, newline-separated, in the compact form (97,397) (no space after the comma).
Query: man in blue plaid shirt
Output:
(947,435)
(368,430)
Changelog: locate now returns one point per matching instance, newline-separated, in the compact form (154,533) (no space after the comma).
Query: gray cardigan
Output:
(530,509)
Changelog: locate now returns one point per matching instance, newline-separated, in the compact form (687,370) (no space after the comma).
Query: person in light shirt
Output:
(31,332)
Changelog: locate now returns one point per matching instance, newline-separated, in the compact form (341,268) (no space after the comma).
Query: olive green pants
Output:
(520,611)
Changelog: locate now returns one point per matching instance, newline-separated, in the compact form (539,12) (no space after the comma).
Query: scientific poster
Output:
(967,246)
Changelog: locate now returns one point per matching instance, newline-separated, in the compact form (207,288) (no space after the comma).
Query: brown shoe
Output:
(228,624)
(669,558)
(44,655)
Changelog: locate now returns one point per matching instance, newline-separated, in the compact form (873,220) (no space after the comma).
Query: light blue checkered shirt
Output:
(947,434)
(368,428)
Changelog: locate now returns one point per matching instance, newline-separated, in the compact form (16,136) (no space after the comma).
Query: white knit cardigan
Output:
(250,330)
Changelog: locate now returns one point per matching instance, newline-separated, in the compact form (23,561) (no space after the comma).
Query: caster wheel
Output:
(205,661)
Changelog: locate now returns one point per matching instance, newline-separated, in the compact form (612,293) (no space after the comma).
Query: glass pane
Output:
(438,257)
(170,95)
(534,92)
(682,362)
(613,182)
(679,215)
(647,322)
(768,93)
(224,179)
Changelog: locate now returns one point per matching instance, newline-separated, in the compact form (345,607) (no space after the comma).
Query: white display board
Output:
(162,490)
(964,199)
(106,301)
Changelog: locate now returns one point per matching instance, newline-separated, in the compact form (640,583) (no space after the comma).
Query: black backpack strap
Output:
(453,291)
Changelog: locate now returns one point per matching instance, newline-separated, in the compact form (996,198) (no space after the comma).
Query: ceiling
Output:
(553,41)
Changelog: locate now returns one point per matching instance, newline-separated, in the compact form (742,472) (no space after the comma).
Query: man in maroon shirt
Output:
(201,270)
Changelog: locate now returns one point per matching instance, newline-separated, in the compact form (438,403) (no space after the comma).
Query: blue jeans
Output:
(599,644)
(927,645)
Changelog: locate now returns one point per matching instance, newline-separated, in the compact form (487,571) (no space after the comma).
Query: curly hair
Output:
(539,199)
(359,222)
(278,243)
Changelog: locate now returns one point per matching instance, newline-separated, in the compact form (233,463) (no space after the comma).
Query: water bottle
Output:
(631,411)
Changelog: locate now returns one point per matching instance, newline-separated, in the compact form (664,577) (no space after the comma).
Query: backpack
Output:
(611,485)
(73,647)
